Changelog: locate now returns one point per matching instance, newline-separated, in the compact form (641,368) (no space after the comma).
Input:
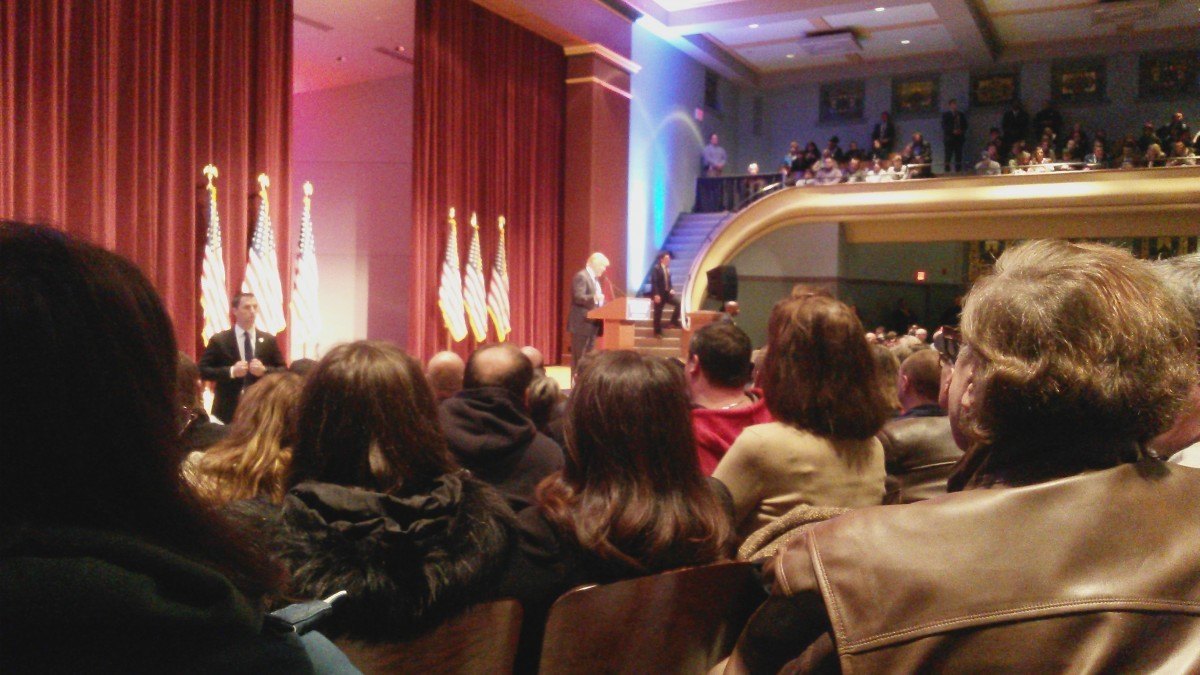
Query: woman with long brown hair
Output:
(252,461)
(108,563)
(631,499)
(378,507)
(822,386)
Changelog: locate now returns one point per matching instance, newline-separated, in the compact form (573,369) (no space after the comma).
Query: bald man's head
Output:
(445,374)
(501,365)
(535,357)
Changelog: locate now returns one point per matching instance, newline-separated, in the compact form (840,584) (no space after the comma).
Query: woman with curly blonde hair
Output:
(254,459)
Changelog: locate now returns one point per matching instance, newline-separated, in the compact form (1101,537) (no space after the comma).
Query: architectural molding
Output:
(592,79)
(1112,203)
(627,65)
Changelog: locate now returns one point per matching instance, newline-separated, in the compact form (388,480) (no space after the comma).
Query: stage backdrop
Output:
(110,108)
(490,104)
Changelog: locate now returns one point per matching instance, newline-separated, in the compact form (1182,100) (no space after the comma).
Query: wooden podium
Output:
(618,320)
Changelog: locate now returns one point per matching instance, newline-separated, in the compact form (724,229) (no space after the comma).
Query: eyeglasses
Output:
(948,342)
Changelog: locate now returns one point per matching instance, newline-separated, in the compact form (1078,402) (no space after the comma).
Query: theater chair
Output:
(482,639)
(683,621)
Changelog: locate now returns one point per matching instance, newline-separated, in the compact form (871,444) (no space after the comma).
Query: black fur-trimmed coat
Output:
(407,561)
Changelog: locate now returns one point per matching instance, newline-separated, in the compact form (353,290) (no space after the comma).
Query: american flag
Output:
(450,292)
(497,297)
(306,310)
(262,272)
(474,288)
(214,294)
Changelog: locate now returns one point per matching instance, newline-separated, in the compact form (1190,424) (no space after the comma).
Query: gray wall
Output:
(792,112)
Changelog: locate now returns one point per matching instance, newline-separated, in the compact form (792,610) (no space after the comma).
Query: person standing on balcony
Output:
(714,157)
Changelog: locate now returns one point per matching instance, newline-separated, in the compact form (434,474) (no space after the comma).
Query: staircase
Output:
(685,240)
(667,346)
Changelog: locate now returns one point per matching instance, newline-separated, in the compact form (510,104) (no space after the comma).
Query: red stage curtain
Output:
(490,106)
(110,108)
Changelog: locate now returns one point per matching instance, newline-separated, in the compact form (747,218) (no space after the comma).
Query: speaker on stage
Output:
(723,283)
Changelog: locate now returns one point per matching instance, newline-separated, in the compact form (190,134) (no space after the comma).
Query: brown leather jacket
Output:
(1098,572)
(919,455)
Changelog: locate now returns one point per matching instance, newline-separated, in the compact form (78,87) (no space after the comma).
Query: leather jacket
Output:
(1097,572)
(919,455)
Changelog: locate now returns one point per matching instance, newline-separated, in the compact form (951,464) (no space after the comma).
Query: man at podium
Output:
(586,294)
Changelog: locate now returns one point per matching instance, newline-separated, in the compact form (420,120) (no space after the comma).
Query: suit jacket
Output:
(948,125)
(660,282)
(220,355)
(583,300)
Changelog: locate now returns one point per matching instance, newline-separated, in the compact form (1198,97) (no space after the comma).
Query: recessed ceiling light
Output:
(791,56)
(880,9)
(754,25)
(904,42)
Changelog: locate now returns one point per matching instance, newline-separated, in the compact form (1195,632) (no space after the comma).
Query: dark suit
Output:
(219,357)
(660,285)
(952,120)
(583,330)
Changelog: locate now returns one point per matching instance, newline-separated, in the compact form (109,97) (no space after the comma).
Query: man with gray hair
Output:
(1181,443)
(587,293)
(1068,548)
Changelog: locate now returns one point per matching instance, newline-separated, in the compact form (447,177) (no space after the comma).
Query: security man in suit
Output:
(661,292)
(238,357)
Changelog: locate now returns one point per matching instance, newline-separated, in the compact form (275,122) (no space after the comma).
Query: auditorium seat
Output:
(683,621)
(482,639)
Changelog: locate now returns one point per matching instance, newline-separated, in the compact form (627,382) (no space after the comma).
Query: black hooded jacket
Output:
(494,438)
(407,561)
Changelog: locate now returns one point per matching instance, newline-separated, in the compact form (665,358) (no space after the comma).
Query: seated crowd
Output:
(1031,520)
(1018,145)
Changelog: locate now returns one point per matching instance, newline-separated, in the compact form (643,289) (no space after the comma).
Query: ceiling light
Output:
(904,42)
(754,25)
(791,56)
(880,9)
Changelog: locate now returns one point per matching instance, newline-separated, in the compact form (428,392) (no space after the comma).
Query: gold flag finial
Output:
(263,181)
(210,172)
(307,188)
(474,221)
(502,222)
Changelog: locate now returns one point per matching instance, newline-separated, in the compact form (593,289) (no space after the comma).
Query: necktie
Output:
(247,346)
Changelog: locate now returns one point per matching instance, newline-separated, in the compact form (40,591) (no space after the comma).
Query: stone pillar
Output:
(596,162)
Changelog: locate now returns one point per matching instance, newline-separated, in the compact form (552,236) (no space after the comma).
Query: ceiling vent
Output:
(829,43)
(1123,11)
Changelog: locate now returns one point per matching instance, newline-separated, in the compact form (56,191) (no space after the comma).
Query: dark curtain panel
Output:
(110,108)
(490,102)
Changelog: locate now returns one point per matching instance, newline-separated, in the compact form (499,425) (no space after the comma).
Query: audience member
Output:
(1074,357)
(731,311)
(302,367)
(445,374)
(855,173)
(253,460)
(631,500)
(718,370)
(954,135)
(488,428)
(1014,124)
(714,157)
(1181,443)
(888,367)
(107,562)
(200,431)
(918,447)
(1049,118)
(828,173)
(536,359)
(1181,155)
(1097,158)
(546,407)
(234,359)
(884,134)
(1147,138)
(822,386)
(378,507)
